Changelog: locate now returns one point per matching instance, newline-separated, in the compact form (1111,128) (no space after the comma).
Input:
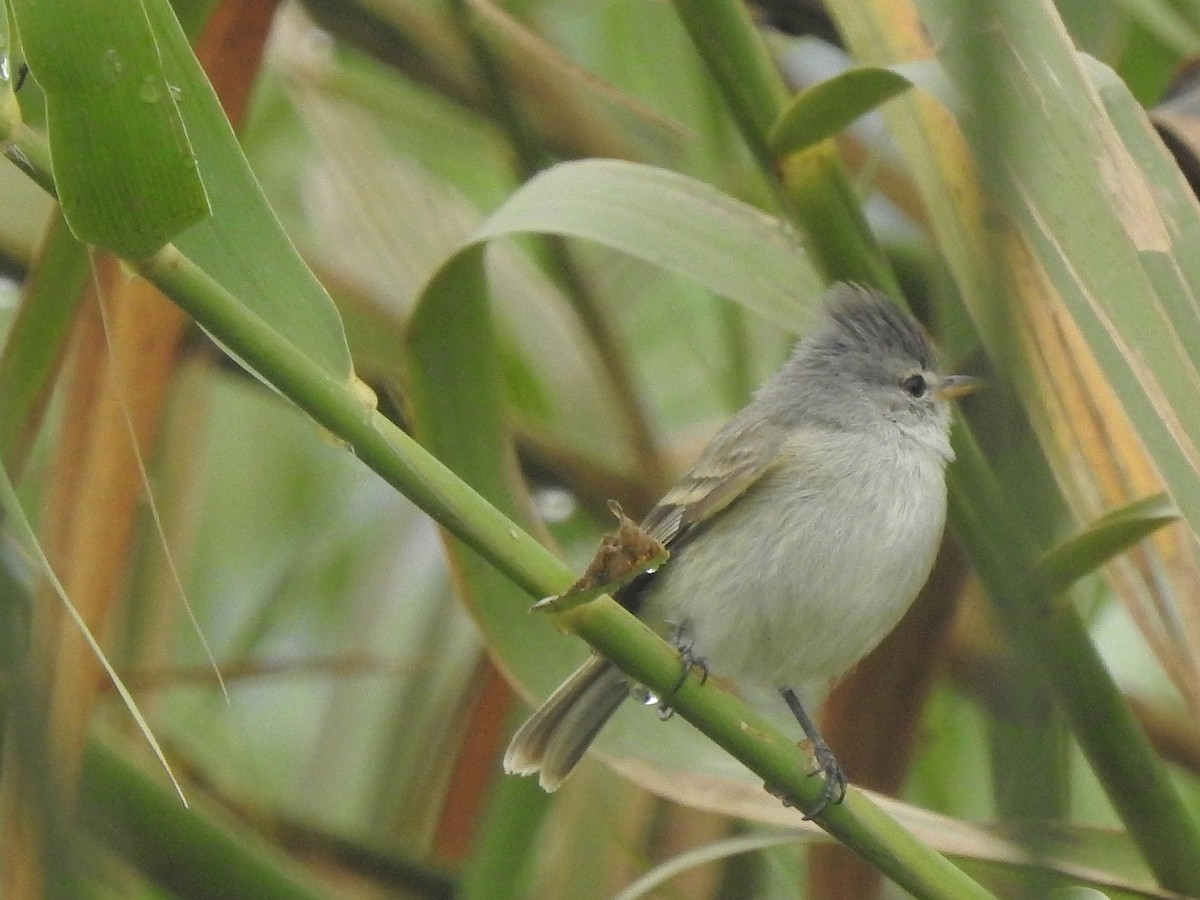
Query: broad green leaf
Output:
(1120,259)
(242,245)
(1105,538)
(455,397)
(125,171)
(677,223)
(821,111)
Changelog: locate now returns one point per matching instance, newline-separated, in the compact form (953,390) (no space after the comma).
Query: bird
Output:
(799,537)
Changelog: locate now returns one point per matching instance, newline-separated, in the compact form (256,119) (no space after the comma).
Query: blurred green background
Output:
(356,752)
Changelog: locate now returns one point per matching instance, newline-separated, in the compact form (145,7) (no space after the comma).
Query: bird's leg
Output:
(681,640)
(835,780)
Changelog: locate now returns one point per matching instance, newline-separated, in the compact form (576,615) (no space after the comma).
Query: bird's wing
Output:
(740,454)
(734,461)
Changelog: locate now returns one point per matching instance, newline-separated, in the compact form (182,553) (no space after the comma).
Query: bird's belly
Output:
(784,602)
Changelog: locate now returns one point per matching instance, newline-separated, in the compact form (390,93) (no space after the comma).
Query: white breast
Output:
(802,577)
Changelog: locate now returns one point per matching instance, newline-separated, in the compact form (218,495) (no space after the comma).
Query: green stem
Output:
(177,846)
(1051,638)
(742,69)
(812,186)
(533,156)
(26,149)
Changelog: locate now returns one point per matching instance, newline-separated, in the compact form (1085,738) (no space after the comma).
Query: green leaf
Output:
(682,225)
(123,165)
(454,395)
(1105,538)
(821,111)
(1120,261)
(242,245)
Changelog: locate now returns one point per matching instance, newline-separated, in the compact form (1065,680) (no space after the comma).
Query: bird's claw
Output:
(682,641)
(689,661)
(834,791)
(681,638)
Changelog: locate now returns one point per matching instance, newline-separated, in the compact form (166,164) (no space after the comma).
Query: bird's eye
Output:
(915,385)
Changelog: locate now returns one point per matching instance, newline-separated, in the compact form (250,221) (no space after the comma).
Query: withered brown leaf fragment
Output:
(622,555)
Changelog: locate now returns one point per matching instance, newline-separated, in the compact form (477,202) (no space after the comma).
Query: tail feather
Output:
(557,734)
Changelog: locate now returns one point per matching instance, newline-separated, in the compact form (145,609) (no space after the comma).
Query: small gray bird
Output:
(799,538)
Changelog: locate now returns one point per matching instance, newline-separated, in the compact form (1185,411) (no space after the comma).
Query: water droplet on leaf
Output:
(111,65)
(644,695)
(149,90)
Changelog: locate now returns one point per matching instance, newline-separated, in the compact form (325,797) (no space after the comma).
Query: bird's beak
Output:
(955,386)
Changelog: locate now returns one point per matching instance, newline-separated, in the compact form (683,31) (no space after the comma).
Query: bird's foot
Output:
(834,789)
(681,639)
(826,764)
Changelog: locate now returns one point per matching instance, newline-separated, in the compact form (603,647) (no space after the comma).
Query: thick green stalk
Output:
(812,186)
(1050,637)
(178,846)
(745,73)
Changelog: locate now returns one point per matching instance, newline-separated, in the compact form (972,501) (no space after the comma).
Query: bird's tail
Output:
(562,728)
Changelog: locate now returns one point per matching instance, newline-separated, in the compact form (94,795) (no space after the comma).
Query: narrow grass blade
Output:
(15,516)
